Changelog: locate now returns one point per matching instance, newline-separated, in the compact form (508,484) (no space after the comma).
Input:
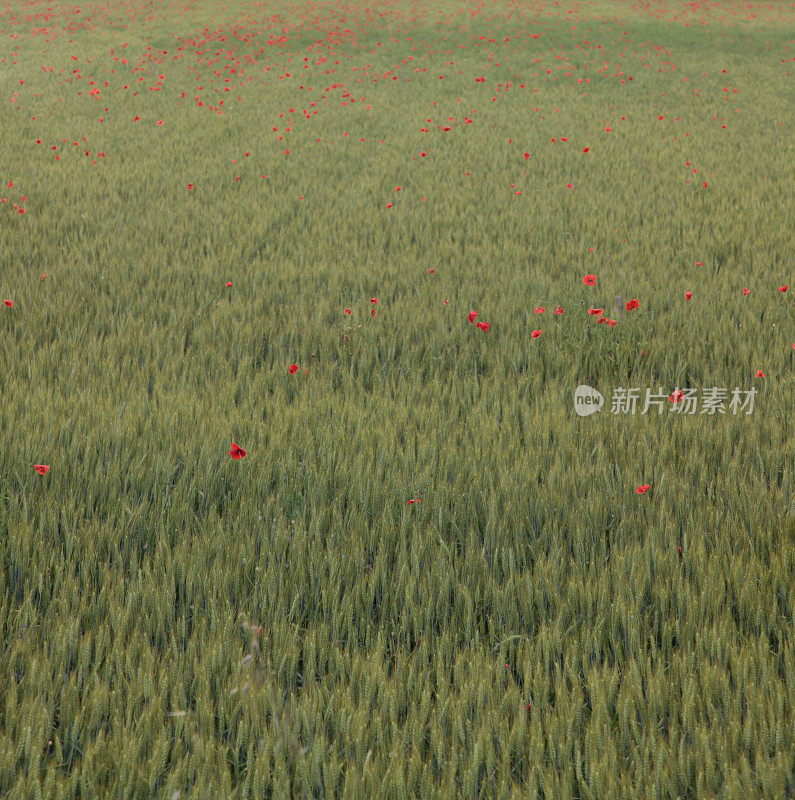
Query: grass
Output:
(177,623)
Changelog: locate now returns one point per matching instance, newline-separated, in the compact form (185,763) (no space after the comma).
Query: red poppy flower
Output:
(760,374)
(228,284)
(688,295)
(586,149)
(374,300)
(9,303)
(611,322)
(643,489)
(676,396)
(484,326)
(526,156)
(539,310)
(746,291)
(589,280)
(293,369)
(44,276)
(347,311)
(42,469)
(783,288)
(535,334)
(431,270)
(595,311)
(472,316)
(558,310)
(632,304)
(237,452)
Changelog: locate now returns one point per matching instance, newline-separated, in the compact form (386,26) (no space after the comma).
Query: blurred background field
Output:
(193,194)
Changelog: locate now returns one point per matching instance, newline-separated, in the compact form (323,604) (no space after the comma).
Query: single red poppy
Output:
(643,489)
(9,303)
(595,311)
(783,288)
(374,300)
(42,469)
(237,452)
(484,326)
(589,280)
(347,311)
(535,334)
(293,368)
(228,284)
(558,310)
(539,310)
(472,316)
(688,295)
(676,396)
(632,304)
(746,291)
(760,374)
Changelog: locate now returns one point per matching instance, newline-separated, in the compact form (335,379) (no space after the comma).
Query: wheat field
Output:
(296,497)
